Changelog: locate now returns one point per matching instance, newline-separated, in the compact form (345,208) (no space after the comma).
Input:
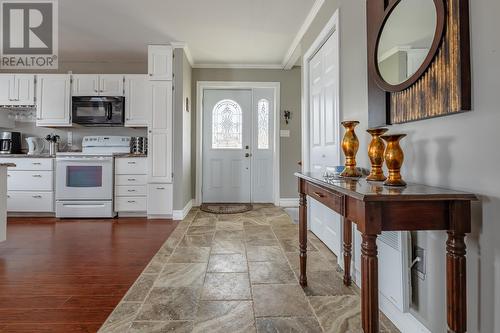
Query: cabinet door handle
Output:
(8,196)
(37,163)
(131,179)
(131,201)
(131,162)
(160,188)
(37,196)
(37,176)
(131,190)
(318,194)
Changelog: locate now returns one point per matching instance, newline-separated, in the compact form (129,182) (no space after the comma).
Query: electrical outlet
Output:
(419,267)
(70,139)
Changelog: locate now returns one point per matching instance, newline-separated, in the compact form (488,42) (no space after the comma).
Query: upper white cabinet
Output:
(18,89)
(53,107)
(137,100)
(98,85)
(160,62)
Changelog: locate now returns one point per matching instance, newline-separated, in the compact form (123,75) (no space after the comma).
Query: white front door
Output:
(324,136)
(227,139)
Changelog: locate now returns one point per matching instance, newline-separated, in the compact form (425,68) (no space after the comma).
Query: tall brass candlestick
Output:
(350,146)
(376,154)
(394,158)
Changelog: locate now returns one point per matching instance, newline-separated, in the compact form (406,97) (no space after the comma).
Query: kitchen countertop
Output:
(8,165)
(25,156)
(130,155)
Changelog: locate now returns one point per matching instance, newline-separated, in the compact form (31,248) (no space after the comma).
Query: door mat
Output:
(226,208)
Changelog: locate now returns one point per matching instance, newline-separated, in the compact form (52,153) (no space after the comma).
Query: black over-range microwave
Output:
(98,110)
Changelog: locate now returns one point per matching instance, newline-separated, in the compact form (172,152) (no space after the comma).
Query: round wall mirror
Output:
(408,40)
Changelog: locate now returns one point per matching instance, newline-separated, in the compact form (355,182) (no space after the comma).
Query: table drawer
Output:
(29,164)
(131,166)
(30,180)
(130,204)
(130,180)
(130,191)
(331,199)
(30,201)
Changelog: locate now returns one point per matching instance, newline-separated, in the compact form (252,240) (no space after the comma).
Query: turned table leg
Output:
(456,291)
(347,245)
(303,239)
(369,284)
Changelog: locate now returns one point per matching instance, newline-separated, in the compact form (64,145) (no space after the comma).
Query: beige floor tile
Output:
(265,253)
(286,231)
(292,245)
(182,275)
(177,326)
(170,304)
(257,241)
(197,240)
(141,288)
(275,300)
(270,272)
(201,230)
(338,314)
(190,254)
(263,232)
(326,283)
(225,317)
(227,263)
(288,325)
(229,234)
(228,247)
(121,318)
(315,262)
(229,225)
(226,286)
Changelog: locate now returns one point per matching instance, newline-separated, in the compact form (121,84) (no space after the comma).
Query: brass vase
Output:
(350,146)
(376,154)
(394,158)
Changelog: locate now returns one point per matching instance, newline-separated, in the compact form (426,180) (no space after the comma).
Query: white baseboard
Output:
(160,217)
(132,214)
(179,215)
(289,202)
(405,322)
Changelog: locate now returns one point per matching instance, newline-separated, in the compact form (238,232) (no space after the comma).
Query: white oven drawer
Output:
(86,209)
(29,164)
(130,180)
(30,202)
(130,204)
(131,166)
(130,191)
(30,180)
(160,199)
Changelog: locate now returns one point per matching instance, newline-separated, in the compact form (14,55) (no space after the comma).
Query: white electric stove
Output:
(84,180)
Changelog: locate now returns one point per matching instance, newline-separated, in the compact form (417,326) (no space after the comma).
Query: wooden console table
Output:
(375,208)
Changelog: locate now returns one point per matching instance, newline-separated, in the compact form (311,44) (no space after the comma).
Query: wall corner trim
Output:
(185,47)
(178,215)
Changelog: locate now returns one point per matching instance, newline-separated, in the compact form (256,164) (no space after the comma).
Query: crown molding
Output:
(239,66)
(292,56)
(187,52)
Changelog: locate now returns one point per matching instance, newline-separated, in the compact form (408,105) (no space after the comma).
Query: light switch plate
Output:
(285,133)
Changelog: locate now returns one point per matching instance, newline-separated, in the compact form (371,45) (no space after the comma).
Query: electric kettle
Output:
(35,145)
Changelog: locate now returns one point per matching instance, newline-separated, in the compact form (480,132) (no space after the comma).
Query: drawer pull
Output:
(37,176)
(131,190)
(319,195)
(8,175)
(8,196)
(37,196)
(131,179)
(160,188)
(131,162)
(37,163)
(131,201)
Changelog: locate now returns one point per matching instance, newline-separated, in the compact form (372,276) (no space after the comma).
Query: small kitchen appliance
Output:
(98,110)
(10,143)
(84,182)
(35,145)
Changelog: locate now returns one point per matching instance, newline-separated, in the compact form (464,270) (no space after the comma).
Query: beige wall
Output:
(458,151)
(290,100)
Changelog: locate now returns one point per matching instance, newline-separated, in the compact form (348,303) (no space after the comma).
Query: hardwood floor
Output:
(68,275)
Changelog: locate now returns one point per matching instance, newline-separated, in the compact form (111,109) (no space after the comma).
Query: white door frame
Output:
(331,27)
(201,86)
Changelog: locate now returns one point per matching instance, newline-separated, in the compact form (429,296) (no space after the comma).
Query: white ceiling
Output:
(248,32)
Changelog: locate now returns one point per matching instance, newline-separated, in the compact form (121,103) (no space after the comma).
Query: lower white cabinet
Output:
(160,200)
(30,185)
(130,184)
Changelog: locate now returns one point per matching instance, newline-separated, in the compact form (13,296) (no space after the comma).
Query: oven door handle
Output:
(89,160)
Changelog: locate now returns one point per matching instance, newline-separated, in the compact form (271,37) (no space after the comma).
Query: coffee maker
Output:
(10,143)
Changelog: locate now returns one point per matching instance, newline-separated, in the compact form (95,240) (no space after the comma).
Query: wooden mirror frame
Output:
(436,42)
(440,87)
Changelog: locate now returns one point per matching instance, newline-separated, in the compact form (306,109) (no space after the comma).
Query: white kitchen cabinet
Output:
(18,89)
(160,200)
(97,85)
(161,105)
(85,85)
(53,106)
(137,101)
(111,85)
(160,62)
(30,185)
(130,185)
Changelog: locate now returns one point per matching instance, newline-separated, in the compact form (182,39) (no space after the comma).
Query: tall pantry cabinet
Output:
(160,196)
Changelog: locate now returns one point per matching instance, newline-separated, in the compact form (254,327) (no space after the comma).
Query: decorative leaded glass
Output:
(227,125)
(263,124)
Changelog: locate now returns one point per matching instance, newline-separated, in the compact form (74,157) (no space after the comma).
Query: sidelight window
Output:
(263,124)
